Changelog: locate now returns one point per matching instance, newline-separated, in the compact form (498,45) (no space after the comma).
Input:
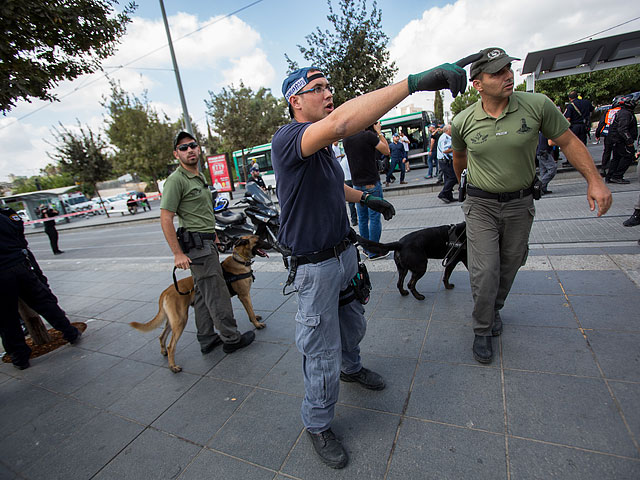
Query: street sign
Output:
(219,172)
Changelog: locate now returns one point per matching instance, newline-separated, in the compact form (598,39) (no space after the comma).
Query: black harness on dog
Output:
(229,278)
(455,245)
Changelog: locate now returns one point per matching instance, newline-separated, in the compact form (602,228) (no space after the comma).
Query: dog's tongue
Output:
(262,253)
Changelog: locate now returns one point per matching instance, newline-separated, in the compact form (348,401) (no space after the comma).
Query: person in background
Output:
(546,162)
(445,161)
(398,156)
(344,163)
(49,212)
(405,143)
(578,113)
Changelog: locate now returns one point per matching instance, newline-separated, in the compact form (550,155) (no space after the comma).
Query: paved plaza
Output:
(560,400)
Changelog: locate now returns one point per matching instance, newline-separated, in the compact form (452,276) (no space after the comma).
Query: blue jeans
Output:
(392,167)
(327,335)
(369,222)
(432,162)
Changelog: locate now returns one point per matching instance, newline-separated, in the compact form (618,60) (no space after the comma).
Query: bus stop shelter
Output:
(31,200)
(583,57)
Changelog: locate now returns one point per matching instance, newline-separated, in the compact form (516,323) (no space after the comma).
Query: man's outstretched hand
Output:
(379,205)
(447,75)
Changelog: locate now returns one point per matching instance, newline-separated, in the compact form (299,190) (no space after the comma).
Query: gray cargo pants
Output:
(212,303)
(497,244)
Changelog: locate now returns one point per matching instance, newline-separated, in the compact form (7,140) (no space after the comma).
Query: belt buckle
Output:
(503,197)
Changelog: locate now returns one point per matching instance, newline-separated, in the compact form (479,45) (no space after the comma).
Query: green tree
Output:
(461,102)
(143,138)
(44,42)
(41,182)
(82,155)
(354,57)
(244,118)
(600,87)
(438,107)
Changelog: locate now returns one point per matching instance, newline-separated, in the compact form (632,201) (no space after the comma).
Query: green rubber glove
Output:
(379,205)
(447,75)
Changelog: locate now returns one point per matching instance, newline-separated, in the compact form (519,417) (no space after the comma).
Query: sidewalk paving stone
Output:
(170,457)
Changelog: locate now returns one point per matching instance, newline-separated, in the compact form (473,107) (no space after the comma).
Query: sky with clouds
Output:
(215,49)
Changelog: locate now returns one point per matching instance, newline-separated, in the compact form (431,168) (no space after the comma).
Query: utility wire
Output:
(120,67)
(605,30)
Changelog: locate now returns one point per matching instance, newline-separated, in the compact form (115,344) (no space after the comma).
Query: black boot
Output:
(633,220)
(329,449)
(482,349)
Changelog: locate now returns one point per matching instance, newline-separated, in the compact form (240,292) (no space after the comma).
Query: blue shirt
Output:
(310,191)
(397,151)
(444,143)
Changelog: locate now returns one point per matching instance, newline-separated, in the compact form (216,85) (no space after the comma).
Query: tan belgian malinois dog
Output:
(174,307)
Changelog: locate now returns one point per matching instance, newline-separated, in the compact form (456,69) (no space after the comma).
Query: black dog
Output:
(414,250)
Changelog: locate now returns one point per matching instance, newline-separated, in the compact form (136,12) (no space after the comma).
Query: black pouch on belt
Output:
(359,286)
(184,239)
(536,188)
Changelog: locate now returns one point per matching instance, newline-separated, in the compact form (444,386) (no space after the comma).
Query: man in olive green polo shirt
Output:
(186,194)
(495,140)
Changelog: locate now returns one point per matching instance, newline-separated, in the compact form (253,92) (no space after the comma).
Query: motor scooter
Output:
(263,214)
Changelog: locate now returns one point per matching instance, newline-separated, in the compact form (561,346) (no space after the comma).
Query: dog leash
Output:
(175,280)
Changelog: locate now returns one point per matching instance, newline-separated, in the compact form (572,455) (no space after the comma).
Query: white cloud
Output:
(254,70)
(448,33)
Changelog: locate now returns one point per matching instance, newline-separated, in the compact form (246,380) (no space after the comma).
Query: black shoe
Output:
(633,220)
(329,449)
(22,365)
(76,339)
(546,191)
(364,377)
(445,199)
(59,252)
(373,256)
(245,339)
(482,349)
(620,181)
(209,348)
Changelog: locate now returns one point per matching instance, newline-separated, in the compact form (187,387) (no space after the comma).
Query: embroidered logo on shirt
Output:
(479,138)
(524,128)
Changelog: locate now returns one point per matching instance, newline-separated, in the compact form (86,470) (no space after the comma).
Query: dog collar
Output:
(241,260)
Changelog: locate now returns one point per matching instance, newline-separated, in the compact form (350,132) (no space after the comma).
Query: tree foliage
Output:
(41,182)
(244,118)
(143,138)
(438,107)
(600,87)
(83,156)
(461,102)
(354,57)
(44,42)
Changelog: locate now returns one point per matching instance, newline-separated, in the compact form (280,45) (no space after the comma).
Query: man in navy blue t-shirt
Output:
(314,227)
(398,156)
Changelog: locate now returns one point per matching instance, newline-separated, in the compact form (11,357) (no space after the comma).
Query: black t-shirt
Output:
(361,155)
(310,191)
(435,136)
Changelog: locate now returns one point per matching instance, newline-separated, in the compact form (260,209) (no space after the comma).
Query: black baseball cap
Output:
(180,135)
(493,60)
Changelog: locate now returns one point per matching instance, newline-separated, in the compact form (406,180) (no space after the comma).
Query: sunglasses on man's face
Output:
(186,146)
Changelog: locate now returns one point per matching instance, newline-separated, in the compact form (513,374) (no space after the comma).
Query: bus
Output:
(414,125)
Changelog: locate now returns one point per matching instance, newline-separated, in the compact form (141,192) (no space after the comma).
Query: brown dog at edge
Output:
(174,308)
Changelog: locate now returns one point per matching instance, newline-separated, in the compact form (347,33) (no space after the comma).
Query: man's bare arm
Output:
(580,158)
(169,230)
(353,116)
(459,162)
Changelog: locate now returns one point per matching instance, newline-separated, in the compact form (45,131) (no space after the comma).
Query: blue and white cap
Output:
(297,80)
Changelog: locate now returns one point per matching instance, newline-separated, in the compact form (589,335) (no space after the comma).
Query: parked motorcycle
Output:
(265,219)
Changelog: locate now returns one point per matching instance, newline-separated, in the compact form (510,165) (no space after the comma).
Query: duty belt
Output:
(501,197)
(207,236)
(324,254)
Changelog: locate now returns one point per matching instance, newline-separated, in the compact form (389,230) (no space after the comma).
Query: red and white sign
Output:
(220,178)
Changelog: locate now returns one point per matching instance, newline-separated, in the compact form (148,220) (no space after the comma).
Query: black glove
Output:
(447,75)
(379,205)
